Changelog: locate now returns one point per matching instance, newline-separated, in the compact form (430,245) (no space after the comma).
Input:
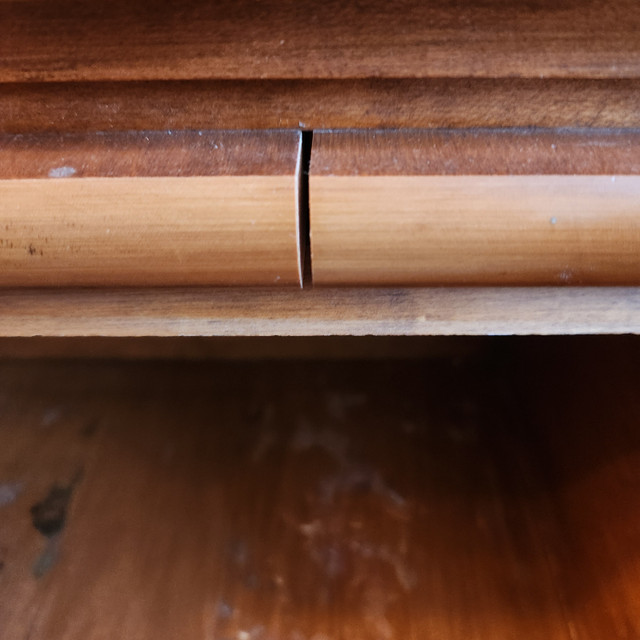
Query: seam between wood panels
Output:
(302,197)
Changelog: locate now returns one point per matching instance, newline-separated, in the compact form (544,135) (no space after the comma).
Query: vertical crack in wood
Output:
(304,235)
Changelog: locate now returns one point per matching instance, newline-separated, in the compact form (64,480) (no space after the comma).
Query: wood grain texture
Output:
(307,500)
(202,153)
(76,40)
(580,401)
(322,311)
(487,207)
(149,209)
(319,104)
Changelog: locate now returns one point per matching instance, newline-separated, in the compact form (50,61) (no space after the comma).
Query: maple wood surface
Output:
(281,501)
(483,207)
(149,208)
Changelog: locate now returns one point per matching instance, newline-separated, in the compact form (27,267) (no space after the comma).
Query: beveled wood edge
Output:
(180,153)
(475,151)
(319,311)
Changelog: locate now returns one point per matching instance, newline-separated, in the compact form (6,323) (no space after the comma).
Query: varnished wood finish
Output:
(76,40)
(358,501)
(579,403)
(488,207)
(149,208)
(319,104)
(475,152)
(147,154)
(322,311)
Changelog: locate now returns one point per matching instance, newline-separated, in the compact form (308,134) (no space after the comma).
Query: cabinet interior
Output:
(320,489)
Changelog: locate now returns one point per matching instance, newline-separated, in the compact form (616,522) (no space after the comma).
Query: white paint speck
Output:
(8,493)
(553,220)
(566,275)
(276,279)
(62,172)
(50,417)
(255,633)
(613,178)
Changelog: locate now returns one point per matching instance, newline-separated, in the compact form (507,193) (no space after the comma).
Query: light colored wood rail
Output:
(169,208)
(431,208)
(321,311)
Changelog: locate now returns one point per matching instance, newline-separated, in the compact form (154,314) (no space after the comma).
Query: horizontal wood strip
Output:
(479,206)
(148,231)
(322,311)
(394,230)
(149,208)
(75,40)
(319,104)
(149,153)
(476,152)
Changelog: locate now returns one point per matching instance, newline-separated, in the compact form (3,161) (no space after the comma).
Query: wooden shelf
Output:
(491,495)
(324,488)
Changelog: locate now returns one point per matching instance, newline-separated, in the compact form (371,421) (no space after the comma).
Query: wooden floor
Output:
(490,495)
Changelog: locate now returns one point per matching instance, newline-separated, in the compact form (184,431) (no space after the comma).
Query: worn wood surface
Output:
(483,207)
(301,501)
(579,403)
(322,311)
(77,40)
(149,208)
(319,104)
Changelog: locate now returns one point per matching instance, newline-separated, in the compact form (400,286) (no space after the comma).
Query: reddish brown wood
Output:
(149,154)
(319,104)
(476,152)
(493,495)
(74,40)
